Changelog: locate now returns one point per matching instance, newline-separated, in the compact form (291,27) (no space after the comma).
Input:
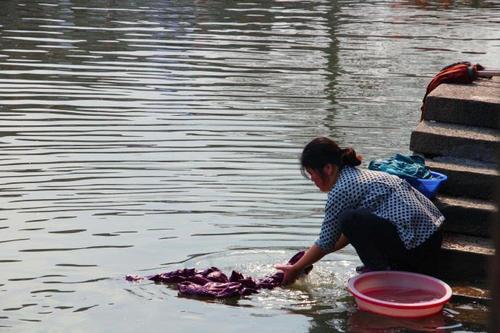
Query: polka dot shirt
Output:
(387,196)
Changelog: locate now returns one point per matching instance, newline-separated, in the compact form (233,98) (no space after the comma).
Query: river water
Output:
(145,136)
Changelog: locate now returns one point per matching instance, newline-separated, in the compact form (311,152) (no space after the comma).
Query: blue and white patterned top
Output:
(387,196)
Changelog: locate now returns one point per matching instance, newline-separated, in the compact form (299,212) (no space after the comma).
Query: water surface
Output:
(145,136)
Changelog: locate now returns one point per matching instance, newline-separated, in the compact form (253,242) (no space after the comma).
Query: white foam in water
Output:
(324,286)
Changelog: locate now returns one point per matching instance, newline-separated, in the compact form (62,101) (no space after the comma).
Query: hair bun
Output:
(349,157)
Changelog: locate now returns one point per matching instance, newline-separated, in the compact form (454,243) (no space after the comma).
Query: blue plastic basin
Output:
(430,186)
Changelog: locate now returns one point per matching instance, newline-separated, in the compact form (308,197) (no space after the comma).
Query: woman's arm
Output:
(313,254)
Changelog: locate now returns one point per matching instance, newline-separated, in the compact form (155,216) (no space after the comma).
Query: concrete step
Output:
(476,104)
(470,293)
(466,178)
(443,139)
(466,216)
(465,257)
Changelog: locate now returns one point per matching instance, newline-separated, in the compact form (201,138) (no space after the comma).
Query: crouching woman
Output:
(391,225)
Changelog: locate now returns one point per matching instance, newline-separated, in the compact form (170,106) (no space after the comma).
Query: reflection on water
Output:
(366,322)
(141,136)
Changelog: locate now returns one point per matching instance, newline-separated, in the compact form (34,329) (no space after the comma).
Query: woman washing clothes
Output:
(389,223)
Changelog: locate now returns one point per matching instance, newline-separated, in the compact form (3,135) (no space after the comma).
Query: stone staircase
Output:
(459,136)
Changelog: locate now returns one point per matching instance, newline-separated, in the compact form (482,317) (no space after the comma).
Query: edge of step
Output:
(458,131)
(466,216)
(463,165)
(466,257)
(481,90)
(476,104)
(468,244)
(466,178)
(437,139)
(470,293)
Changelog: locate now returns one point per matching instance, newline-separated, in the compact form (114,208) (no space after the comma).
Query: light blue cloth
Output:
(407,167)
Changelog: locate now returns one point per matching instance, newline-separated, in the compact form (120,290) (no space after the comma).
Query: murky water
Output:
(144,136)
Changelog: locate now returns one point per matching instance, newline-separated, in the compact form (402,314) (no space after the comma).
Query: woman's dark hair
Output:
(322,151)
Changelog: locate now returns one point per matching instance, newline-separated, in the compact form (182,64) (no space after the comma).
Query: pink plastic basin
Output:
(399,294)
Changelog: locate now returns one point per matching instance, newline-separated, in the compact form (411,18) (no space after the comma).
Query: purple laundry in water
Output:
(213,283)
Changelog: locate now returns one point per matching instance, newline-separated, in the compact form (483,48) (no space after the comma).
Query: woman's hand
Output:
(291,273)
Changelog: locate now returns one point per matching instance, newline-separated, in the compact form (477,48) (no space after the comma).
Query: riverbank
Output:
(459,136)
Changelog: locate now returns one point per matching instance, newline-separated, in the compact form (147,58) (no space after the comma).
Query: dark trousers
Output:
(379,246)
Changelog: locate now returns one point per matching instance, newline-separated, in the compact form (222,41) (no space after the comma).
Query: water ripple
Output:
(175,129)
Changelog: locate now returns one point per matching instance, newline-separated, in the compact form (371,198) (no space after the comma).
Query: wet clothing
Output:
(379,247)
(414,217)
(213,283)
